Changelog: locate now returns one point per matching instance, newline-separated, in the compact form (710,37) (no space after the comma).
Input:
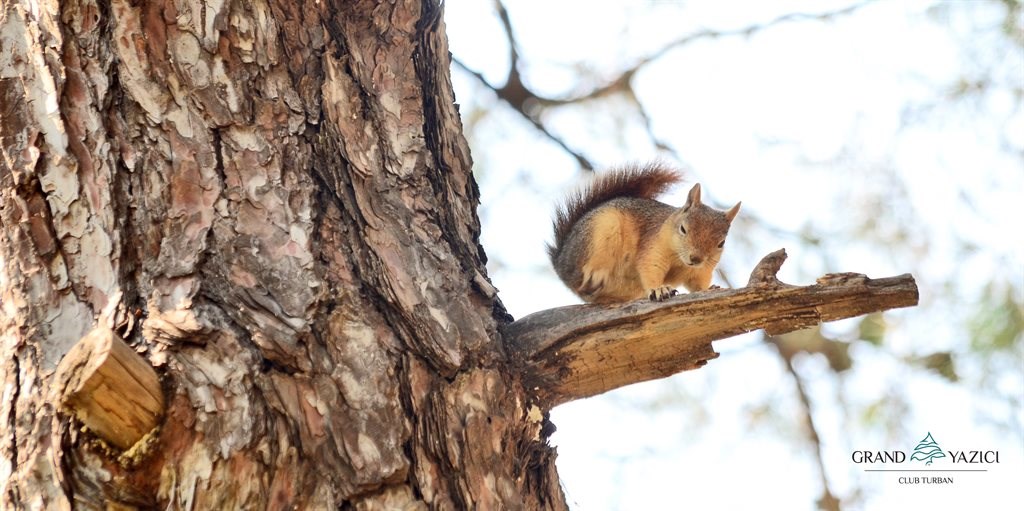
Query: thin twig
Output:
(529,104)
(625,77)
(828,501)
(501,93)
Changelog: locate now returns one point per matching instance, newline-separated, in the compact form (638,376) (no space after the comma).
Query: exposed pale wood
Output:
(110,388)
(578,351)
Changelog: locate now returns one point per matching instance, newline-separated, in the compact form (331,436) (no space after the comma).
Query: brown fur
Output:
(614,242)
(644,182)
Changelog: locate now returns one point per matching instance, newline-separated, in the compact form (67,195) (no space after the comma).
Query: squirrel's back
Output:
(614,242)
(636,181)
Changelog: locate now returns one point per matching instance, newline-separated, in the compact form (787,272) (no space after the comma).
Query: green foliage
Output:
(888,413)
(998,322)
(940,363)
(872,329)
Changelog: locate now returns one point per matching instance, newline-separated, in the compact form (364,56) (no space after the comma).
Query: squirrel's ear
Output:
(693,197)
(729,215)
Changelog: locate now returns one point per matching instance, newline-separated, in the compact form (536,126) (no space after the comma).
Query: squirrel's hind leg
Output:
(608,270)
(593,282)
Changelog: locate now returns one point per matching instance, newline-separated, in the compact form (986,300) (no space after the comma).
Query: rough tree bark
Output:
(281,193)
(271,203)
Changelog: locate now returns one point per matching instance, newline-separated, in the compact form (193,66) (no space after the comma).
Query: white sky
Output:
(762,120)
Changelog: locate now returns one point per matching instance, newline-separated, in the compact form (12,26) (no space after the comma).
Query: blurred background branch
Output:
(878,137)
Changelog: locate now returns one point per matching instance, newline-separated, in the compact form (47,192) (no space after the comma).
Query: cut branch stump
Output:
(110,388)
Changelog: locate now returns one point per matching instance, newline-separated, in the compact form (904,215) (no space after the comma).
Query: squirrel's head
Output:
(699,231)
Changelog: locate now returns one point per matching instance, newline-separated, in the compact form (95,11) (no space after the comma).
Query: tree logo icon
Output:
(927,450)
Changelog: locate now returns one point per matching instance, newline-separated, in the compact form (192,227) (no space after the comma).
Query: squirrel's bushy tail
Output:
(642,181)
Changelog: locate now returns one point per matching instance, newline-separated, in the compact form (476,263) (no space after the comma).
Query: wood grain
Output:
(110,388)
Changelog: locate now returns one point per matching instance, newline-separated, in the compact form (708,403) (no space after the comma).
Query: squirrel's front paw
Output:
(662,293)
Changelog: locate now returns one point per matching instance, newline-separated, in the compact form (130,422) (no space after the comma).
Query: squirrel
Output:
(614,243)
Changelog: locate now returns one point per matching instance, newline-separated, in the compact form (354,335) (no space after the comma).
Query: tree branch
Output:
(530,105)
(579,351)
(516,95)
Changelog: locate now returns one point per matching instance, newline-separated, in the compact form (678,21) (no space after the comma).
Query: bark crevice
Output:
(290,212)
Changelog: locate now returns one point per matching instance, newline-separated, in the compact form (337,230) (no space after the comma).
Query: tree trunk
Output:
(273,205)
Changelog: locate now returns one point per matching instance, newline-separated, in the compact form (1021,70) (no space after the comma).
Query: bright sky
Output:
(766,120)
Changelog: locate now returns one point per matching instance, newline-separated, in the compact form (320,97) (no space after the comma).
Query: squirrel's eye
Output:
(682,229)
(722,244)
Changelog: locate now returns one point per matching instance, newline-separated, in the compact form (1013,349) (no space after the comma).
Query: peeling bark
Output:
(276,200)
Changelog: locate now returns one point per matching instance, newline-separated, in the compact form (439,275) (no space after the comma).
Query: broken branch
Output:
(573,352)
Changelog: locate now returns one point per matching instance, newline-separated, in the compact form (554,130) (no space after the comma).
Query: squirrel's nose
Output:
(695,260)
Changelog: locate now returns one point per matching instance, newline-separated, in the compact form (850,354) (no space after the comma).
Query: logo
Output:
(953,462)
(927,450)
